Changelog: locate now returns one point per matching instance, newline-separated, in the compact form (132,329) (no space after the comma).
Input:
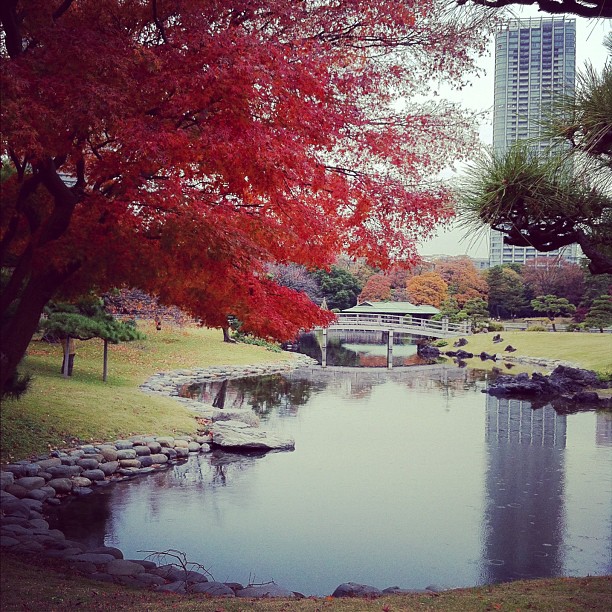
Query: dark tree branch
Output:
(595,8)
(158,21)
(599,263)
(62,8)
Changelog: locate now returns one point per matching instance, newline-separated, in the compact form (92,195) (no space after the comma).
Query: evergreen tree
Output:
(85,320)
(600,314)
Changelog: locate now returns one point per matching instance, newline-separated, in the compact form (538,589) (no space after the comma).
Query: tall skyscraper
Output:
(535,65)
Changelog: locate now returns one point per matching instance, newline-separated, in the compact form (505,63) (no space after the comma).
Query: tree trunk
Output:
(105,366)
(66,361)
(28,290)
(226,335)
(18,328)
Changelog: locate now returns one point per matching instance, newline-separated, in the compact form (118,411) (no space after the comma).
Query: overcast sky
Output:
(589,37)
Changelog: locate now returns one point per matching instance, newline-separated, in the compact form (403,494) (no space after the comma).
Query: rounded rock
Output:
(61,485)
(16,490)
(353,589)
(31,482)
(96,558)
(88,463)
(122,567)
(45,464)
(65,471)
(213,589)
(146,461)
(159,458)
(38,494)
(108,452)
(166,441)
(109,468)
(128,453)
(93,474)
(81,481)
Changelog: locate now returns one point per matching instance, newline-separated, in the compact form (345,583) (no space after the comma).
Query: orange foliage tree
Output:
(464,281)
(181,147)
(429,288)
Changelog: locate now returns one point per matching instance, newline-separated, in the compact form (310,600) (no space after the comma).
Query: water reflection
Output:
(366,349)
(399,477)
(263,394)
(524,489)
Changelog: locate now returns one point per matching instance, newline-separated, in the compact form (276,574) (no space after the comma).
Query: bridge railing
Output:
(399,321)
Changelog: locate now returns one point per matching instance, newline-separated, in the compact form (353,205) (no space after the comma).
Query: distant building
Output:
(535,66)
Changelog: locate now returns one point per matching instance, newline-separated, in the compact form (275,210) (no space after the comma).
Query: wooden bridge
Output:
(399,324)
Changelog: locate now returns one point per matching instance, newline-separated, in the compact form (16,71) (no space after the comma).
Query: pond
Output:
(405,477)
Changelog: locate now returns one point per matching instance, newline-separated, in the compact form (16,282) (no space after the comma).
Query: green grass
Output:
(589,351)
(23,589)
(57,412)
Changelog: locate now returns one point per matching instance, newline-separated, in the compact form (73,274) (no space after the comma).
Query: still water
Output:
(406,478)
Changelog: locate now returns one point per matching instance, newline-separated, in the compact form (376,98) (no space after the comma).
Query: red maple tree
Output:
(181,146)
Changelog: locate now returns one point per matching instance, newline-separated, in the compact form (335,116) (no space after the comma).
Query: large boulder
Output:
(245,416)
(235,434)
(574,380)
(563,380)
(426,351)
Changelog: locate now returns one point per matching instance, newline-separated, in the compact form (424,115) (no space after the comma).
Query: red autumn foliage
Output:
(181,147)
(377,289)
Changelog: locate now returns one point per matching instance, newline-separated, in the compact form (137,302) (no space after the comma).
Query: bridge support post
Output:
(324,349)
(390,349)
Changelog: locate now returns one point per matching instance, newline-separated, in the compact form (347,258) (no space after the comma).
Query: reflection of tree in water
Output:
(266,393)
(263,394)
(84,518)
(309,345)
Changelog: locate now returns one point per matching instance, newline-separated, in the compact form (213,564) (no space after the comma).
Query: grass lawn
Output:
(589,351)
(57,412)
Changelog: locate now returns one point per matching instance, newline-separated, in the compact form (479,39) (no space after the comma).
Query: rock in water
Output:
(235,434)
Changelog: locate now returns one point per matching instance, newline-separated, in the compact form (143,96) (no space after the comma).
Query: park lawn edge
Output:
(23,589)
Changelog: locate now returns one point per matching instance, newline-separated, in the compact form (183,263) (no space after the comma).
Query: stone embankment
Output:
(29,488)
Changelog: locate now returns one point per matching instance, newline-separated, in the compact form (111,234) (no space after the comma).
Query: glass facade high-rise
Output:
(535,65)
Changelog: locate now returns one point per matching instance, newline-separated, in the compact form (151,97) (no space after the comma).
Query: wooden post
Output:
(390,349)
(324,349)
(105,366)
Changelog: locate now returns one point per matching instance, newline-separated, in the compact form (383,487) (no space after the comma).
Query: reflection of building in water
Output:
(515,422)
(603,429)
(524,488)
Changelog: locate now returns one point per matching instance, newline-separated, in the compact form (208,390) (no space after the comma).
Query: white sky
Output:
(590,34)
